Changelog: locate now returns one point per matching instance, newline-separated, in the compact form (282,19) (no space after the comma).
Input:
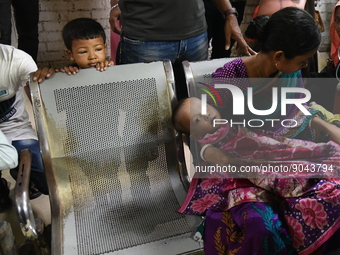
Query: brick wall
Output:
(54,14)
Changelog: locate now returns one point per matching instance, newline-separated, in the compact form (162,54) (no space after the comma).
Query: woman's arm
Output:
(321,125)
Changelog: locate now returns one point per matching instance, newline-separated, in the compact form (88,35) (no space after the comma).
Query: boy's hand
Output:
(42,74)
(68,69)
(103,65)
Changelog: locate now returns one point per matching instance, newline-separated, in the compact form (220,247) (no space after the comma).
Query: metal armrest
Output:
(24,210)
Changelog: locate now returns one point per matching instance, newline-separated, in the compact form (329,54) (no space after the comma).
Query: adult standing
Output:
(216,22)
(153,30)
(26,14)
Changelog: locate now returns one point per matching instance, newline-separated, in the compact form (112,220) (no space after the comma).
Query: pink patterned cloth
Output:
(310,196)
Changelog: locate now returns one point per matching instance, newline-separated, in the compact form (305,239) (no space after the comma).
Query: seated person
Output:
(15,66)
(323,92)
(8,160)
(262,209)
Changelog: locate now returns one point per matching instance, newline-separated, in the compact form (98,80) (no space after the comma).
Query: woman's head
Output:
(334,33)
(290,30)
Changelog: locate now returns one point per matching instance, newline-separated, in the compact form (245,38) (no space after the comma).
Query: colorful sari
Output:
(268,212)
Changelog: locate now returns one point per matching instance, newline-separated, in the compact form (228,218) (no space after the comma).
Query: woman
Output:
(324,94)
(242,217)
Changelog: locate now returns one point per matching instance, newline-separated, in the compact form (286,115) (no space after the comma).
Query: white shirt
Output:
(8,154)
(15,66)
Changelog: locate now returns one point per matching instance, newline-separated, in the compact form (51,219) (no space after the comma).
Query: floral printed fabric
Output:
(308,202)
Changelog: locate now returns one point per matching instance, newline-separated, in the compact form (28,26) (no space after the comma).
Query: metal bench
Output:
(111,159)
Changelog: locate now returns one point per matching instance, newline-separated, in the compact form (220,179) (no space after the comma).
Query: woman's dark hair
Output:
(82,28)
(292,30)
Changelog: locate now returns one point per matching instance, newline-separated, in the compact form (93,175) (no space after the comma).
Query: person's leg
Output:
(37,171)
(5,22)
(27,18)
(192,49)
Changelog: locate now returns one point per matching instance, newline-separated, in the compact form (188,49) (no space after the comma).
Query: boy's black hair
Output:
(82,28)
(177,125)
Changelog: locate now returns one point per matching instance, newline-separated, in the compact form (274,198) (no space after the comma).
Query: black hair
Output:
(292,30)
(82,28)
(175,114)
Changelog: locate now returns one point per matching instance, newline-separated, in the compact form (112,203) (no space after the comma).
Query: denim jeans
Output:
(192,49)
(37,170)
(26,19)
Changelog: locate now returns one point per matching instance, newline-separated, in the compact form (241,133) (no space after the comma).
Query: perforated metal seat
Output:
(111,160)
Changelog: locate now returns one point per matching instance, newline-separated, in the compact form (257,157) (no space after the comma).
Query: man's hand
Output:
(114,20)
(42,74)
(232,30)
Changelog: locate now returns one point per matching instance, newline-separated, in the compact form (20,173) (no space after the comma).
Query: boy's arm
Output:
(42,74)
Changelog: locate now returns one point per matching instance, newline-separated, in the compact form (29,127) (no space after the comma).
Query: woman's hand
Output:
(321,125)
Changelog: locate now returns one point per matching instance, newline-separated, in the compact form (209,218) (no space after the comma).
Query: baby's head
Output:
(188,119)
(85,41)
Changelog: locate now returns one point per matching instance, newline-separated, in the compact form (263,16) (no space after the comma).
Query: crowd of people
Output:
(247,214)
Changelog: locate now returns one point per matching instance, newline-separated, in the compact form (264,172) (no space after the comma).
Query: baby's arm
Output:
(217,156)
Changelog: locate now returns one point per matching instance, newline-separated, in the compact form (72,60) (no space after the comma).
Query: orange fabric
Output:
(335,40)
(255,12)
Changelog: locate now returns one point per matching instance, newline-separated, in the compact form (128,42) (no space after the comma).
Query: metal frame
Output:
(48,167)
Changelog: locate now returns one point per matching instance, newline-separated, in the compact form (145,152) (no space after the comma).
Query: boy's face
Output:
(200,125)
(87,52)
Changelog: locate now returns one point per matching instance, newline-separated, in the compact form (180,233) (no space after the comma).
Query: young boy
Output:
(86,45)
